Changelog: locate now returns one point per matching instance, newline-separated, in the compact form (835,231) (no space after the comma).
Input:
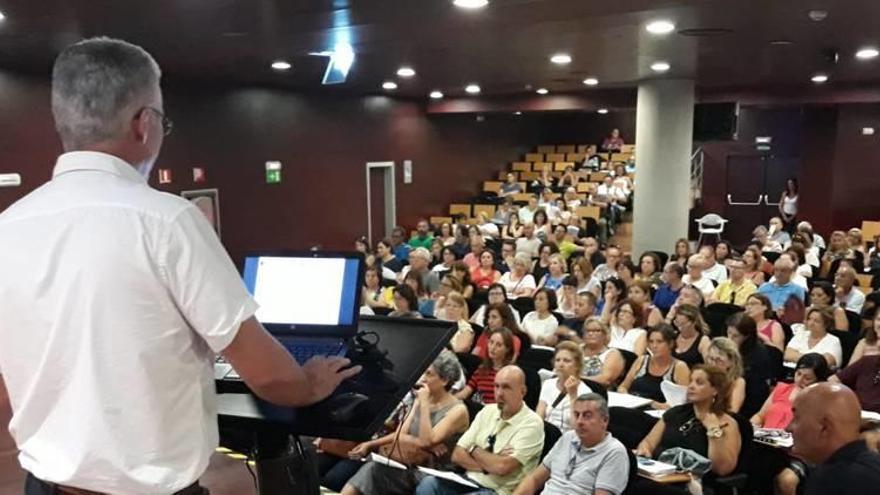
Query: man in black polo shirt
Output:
(825,429)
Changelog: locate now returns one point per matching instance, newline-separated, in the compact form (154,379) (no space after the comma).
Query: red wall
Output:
(323,143)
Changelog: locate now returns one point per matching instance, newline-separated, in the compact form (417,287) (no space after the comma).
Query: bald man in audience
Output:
(845,292)
(502,445)
(825,429)
(781,289)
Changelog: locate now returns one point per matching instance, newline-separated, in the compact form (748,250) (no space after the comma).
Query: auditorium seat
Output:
(551,436)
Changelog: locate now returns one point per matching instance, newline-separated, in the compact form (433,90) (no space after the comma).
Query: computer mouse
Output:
(342,407)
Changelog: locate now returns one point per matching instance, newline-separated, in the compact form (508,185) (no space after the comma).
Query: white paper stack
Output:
(651,467)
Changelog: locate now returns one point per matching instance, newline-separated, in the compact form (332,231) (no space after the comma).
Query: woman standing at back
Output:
(788,204)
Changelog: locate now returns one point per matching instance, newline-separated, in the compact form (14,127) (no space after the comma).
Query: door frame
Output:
(390,198)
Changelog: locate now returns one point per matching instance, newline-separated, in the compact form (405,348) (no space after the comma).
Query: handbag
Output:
(686,460)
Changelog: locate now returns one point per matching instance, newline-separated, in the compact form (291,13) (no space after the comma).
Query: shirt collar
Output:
(576,444)
(96,161)
(848,452)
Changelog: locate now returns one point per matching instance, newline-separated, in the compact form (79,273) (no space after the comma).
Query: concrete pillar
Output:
(664,142)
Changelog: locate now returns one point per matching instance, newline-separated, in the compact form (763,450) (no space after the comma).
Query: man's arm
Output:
(272,373)
(533,482)
(497,464)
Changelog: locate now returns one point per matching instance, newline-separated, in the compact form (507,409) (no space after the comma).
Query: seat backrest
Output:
(469,362)
(536,358)
(551,436)
(848,342)
(628,359)
(629,426)
(473,408)
(596,387)
(855,322)
(533,387)
(664,257)
(711,219)
(777,358)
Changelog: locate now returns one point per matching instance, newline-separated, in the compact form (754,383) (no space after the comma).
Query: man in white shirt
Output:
(847,295)
(115,298)
(527,213)
(528,243)
(696,277)
(713,270)
(548,203)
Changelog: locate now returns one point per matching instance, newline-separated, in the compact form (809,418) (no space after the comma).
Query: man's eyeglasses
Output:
(572,463)
(167,124)
(490,443)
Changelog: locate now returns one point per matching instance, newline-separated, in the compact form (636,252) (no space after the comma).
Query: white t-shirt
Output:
(538,328)
(114,298)
(527,282)
(718,273)
(705,285)
(621,339)
(559,416)
(828,345)
(528,246)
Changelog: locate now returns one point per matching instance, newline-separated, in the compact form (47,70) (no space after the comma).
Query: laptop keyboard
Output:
(303,351)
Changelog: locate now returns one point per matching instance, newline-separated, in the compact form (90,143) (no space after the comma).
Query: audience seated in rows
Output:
(560,392)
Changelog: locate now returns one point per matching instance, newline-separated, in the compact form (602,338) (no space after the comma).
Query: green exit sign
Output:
(273,172)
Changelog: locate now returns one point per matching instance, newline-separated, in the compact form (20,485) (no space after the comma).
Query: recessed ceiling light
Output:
(542,91)
(660,67)
(436,95)
(561,59)
(867,53)
(2,16)
(389,85)
(781,42)
(591,81)
(819,78)
(817,15)
(406,72)
(603,111)
(517,113)
(281,65)
(660,27)
(470,4)
(472,89)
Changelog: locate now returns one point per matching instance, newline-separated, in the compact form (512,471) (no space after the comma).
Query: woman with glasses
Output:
(602,364)
(759,308)
(650,370)
(626,333)
(723,354)
(787,472)
(816,339)
(497,294)
(559,393)
(702,424)
(692,341)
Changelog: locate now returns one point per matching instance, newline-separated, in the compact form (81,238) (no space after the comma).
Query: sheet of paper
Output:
(774,437)
(656,413)
(675,394)
(381,459)
(871,416)
(448,476)
(616,399)
(654,468)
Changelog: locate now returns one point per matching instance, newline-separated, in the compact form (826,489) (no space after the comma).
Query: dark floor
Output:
(225,476)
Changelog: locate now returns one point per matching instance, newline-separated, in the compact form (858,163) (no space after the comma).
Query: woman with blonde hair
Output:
(692,340)
(723,353)
(558,393)
(456,310)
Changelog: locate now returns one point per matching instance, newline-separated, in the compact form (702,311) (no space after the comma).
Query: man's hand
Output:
(325,374)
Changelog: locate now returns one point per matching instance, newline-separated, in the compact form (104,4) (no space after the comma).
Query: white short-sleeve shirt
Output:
(828,345)
(626,340)
(114,298)
(560,414)
(538,328)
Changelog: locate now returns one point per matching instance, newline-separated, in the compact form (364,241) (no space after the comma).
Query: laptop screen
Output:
(309,291)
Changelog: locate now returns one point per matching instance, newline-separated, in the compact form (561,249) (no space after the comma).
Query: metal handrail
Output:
(761,197)
(696,191)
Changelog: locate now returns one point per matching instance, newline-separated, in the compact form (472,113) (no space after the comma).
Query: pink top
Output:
(779,413)
(767,330)
(483,280)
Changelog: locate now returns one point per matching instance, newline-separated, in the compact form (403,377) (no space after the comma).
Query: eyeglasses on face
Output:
(167,124)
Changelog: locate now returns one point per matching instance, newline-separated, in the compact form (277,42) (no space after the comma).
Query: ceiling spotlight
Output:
(470,4)
(389,85)
(436,95)
(817,15)
(561,59)
(660,27)
(660,67)
(867,53)
(281,65)
(819,78)
(542,91)
(517,113)
(603,111)
(2,16)
(406,72)
(591,81)
(472,89)
(781,42)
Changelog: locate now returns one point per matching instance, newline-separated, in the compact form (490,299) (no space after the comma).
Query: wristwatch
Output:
(715,432)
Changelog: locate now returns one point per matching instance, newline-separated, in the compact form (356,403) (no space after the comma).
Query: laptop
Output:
(309,301)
